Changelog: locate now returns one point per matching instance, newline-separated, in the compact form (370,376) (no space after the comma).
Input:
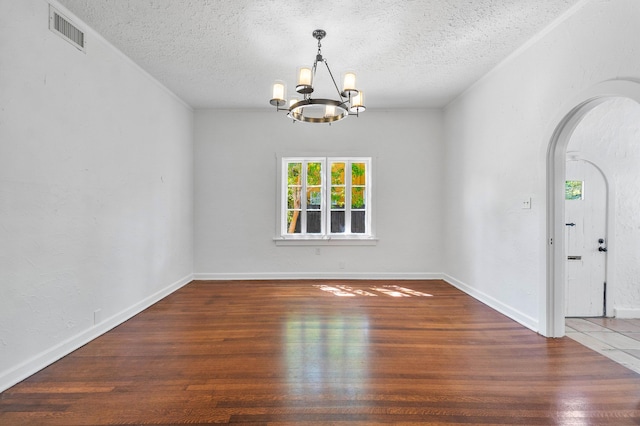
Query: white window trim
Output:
(326,238)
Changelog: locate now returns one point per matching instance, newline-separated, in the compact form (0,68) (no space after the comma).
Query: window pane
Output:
(573,190)
(314,198)
(337,173)
(337,222)
(357,198)
(293,197)
(357,222)
(314,174)
(337,197)
(293,222)
(294,173)
(314,222)
(358,174)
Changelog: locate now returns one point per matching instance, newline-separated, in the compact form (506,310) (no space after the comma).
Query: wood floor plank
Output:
(289,352)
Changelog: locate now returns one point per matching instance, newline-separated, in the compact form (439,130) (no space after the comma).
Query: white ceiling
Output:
(406,53)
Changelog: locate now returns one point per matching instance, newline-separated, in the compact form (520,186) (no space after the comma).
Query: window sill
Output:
(326,241)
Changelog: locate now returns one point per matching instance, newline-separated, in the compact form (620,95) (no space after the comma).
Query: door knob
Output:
(601,242)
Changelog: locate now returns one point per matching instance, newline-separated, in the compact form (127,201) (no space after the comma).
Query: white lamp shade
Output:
(357,102)
(329,111)
(278,91)
(304,76)
(349,82)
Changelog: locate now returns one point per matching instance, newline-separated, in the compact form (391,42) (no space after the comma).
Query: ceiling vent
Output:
(62,26)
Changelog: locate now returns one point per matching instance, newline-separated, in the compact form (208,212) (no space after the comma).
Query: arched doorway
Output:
(586,236)
(554,301)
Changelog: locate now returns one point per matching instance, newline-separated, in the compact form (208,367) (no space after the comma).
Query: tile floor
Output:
(617,339)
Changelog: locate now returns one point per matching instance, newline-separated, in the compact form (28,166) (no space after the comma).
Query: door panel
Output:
(585,225)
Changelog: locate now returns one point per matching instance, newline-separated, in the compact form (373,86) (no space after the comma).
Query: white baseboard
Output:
(626,313)
(214,276)
(33,365)
(514,314)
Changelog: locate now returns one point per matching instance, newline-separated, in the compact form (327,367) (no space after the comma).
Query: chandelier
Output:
(350,101)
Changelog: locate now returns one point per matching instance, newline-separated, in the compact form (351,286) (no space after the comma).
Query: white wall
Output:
(497,134)
(609,136)
(235,179)
(96,190)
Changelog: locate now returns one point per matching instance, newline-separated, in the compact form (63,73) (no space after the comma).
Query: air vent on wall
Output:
(65,28)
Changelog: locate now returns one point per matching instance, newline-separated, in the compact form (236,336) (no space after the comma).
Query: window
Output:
(573,190)
(326,198)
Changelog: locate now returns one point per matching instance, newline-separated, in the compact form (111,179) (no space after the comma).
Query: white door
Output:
(585,231)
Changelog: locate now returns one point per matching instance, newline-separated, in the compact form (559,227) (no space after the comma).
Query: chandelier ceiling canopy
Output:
(349,100)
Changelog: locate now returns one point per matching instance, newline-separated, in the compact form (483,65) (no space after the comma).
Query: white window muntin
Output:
(325,190)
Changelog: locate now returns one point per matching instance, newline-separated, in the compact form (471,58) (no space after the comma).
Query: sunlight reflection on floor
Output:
(327,355)
(387,290)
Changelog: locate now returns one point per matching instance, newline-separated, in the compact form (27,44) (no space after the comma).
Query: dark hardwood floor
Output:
(288,352)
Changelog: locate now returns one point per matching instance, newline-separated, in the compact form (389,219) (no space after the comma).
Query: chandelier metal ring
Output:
(304,111)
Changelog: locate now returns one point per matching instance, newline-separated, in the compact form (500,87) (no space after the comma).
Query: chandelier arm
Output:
(313,79)
(334,81)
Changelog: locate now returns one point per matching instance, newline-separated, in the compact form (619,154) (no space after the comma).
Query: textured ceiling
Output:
(406,53)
